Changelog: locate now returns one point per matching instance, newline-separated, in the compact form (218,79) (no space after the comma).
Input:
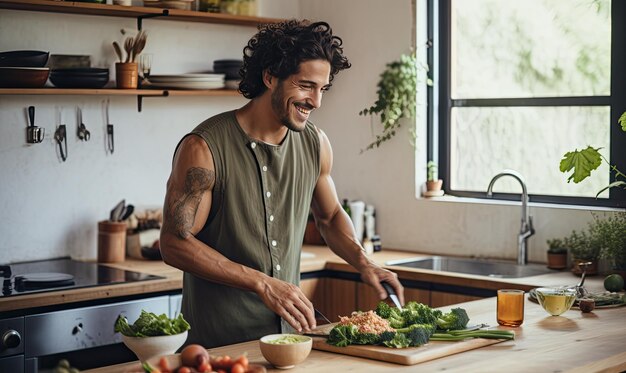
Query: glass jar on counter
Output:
(212,6)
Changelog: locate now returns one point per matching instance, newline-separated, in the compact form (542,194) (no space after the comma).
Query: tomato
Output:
(184,370)
(237,368)
(222,362)
(243,360)
(164,364)
(205,367)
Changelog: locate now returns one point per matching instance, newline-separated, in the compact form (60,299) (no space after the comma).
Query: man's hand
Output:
(288,301)
(374,275)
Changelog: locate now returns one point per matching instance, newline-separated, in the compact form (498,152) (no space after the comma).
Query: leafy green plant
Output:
(582,246)
(397,89)
(432,171)
(586,160)
(611,233)
(556,246)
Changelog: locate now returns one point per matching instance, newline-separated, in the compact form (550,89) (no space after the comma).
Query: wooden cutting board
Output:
(406,356)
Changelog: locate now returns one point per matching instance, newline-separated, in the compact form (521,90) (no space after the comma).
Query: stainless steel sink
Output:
(480,267)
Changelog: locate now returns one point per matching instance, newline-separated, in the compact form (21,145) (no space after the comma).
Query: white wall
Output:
(49,208)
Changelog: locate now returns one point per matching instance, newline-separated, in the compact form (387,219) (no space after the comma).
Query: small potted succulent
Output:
(433,182)
(557,254)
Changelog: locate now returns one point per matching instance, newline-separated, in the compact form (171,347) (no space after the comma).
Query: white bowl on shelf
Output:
(147,347)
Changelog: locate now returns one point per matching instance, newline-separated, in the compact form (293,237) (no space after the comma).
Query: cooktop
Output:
(62,274)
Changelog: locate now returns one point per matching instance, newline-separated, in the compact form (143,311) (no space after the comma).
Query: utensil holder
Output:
(111,241)
(126,75)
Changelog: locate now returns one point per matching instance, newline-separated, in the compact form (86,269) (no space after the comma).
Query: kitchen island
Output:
(572,342)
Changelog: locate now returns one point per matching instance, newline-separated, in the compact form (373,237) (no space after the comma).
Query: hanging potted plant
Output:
(397,89)
(557,254)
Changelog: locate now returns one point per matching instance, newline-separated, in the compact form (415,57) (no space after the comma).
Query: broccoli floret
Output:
(391,314)
(383,310)
(418,313)
(366,339)
(417,334)
(386,336)
(399,340)
(454,320)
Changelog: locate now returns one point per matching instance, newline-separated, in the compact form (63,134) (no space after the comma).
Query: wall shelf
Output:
(137,12)
(140,93)
(140,13)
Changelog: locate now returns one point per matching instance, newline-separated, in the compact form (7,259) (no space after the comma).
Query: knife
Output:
(392,294)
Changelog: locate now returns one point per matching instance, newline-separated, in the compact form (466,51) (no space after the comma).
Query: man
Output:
(240,191)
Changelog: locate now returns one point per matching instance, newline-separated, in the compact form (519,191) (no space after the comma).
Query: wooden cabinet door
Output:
(440,299)
(310,288)
(337,298)
(367,298)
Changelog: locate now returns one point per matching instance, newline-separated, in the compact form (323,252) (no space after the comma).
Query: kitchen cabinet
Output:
(338,298)
(140,13)
(440,298)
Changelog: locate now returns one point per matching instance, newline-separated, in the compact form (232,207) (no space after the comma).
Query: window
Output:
(519,84)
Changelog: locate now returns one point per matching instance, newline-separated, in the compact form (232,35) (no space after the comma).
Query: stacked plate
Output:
(23,69)
(186,81)
(88,77)
(230,68)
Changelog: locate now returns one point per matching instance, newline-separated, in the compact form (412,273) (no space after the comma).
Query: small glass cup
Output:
(510,307)
(145,64)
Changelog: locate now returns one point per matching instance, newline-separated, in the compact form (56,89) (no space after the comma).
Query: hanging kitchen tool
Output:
(82,131)
(116,213)
(127,212)
(34,134)
(110,138)
(60,135)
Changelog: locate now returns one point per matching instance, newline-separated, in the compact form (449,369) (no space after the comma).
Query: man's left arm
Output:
(336,227)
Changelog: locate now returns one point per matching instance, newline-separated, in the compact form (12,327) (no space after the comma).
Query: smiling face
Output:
(296,96)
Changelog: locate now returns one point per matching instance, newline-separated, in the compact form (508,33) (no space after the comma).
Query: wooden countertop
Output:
(572,342)
(315,258)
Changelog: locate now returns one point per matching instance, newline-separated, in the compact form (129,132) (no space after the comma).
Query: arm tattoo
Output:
(182,211)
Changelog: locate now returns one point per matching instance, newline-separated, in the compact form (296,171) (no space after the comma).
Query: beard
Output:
(283,112)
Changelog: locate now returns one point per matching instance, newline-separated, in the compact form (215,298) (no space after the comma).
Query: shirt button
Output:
(264,168)
(271,217)
(274,242)
(253,145)
(268,194)
(278,267)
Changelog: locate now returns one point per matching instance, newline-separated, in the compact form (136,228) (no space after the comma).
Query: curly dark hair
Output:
(281,47)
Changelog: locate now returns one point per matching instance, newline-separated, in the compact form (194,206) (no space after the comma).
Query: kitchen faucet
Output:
(527,220)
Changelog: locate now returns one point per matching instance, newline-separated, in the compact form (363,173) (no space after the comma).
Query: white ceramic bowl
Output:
(285,356)
(147,347)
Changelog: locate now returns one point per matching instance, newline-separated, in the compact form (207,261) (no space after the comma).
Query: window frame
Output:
(440,105)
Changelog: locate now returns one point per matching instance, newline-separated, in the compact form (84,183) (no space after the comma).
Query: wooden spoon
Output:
(128,47)
(118,51)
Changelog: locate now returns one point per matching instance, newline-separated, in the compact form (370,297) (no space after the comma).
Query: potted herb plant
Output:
(584,248)
(557,254)
(611,234)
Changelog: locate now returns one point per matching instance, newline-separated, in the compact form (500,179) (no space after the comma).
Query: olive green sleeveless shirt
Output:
(260,205)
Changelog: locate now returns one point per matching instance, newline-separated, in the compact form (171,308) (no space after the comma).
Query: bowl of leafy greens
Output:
(152,335)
